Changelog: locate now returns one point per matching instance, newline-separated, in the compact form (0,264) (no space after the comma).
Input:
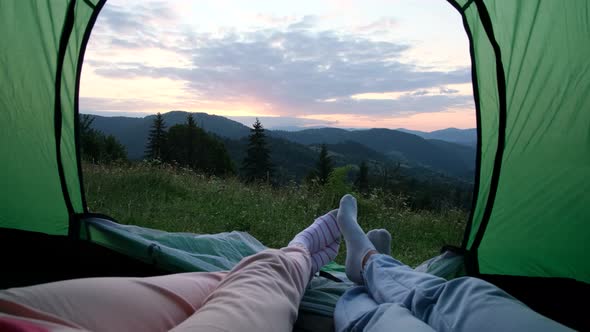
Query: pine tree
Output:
(324,166)
(96,147)
(156,145)
(362,181)
(90,140)
(113,150)
(190,121)
(257,165)
(192,147)
(191,140)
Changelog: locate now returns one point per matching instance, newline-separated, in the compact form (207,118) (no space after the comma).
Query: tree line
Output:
(189,146)
(97,147)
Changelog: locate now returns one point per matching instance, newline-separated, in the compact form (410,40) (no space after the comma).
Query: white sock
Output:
(357,243)
(381,239)
(322,240)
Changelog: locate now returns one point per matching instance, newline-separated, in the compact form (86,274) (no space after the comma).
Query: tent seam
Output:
(466,5)
(474,82)
(501,86)
(58,116)
(82,52)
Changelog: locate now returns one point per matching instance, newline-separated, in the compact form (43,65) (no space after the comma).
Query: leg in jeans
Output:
(463,304)
(356,310)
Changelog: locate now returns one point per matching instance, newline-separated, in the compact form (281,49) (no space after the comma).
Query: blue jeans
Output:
(397,298)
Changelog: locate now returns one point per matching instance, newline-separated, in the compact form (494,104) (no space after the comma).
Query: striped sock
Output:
(322,240)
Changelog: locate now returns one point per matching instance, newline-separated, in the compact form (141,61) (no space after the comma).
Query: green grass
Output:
(182,201)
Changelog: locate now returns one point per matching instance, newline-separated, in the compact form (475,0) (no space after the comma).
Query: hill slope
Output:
(290,151)
(133,132)
(460,136)
(448,157)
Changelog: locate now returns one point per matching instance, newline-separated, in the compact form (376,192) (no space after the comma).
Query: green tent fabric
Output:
(532,83)
(41,56)
(531,78)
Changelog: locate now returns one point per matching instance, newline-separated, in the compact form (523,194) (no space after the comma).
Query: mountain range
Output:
(460,136)
(294,153)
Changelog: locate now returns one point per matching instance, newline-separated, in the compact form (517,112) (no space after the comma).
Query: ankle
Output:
(367,256)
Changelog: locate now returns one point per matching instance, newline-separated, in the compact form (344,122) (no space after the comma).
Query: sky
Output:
(335,63)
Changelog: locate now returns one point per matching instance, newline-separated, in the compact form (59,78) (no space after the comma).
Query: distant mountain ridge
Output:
(453,135)
(133,132)
(294,150)
(450,158)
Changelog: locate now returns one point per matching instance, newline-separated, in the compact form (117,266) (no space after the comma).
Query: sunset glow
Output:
(349,64)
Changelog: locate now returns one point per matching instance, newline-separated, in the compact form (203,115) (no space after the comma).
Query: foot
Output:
(357,243)
(321,239)
(381,239)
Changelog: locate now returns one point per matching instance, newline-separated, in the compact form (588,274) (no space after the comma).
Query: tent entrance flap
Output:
(42,50)
(533,87)
(531,79)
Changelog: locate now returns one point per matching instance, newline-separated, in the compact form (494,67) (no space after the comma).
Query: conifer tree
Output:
(96,147)
(113,149)
(191,147)
(324,166)
(191,139)
(190,121)
(257,165)
(156,145)
(362,181)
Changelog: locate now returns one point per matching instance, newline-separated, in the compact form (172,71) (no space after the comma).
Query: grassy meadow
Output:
(176,200)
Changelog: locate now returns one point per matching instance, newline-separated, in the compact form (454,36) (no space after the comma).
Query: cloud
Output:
(118,113)
(274,20)
(405,105)
(382,26)
(136,17)
(130,105)
(306,23)
(294,70)
(135,25)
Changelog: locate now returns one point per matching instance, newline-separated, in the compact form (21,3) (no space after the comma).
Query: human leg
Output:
(263,292)
(463,304)
(356,310)
(381,239)
(268,285)
(358,244)
(112,304)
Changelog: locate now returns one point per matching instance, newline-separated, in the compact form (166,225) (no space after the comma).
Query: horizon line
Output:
(142,115)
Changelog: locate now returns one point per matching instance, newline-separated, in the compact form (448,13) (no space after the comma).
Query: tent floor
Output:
(560,299)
